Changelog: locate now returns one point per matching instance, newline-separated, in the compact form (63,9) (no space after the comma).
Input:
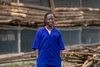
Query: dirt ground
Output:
(19,64)
(27,64)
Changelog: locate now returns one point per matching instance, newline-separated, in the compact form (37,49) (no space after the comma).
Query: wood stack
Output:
(82,55)
(77,16)
(17,57)
(33,15)
(23,14)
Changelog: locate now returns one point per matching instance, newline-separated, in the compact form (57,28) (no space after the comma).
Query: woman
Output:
(48,44)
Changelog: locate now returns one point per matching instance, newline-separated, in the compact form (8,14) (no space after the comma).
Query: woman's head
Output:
(49,19)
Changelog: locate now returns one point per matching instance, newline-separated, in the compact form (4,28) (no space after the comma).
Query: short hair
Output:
(45,16)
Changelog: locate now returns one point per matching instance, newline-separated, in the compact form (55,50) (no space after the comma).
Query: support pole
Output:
(52,6)
(19,36)
(18,1)
(19,39)
(80,3)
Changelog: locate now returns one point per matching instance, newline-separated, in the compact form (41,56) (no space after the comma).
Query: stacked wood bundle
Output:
(23,14)
(26,14)
(82,55)
(77,16)
(17,57)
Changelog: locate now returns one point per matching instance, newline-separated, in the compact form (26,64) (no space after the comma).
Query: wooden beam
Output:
(30,6)
(76,9)
(5,21)
(52,6)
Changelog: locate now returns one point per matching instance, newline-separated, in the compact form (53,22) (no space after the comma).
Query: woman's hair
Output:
(45,16)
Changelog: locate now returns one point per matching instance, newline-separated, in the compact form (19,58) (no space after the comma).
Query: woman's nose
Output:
(51,20)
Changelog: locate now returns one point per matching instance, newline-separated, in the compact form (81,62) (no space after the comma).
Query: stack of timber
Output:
(33,15)
(77,16)
(17,57)
(82,55)
(21,14)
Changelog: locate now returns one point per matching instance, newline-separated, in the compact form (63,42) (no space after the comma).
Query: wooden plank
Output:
(9,8)
(5,21)
(9,58)
(2,17)
(76,9)
(26,5)
(12,14)
(30,6)
(81,47)
(17,60)
(21,15)
(70,15)
(69,12)
(73,21)
(64,25)
(21,10)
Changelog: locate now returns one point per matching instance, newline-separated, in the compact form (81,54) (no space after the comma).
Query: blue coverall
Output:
(49,46)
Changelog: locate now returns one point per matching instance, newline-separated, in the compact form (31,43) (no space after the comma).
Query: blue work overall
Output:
(49,46)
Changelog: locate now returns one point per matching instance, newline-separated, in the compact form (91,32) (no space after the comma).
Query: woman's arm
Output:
(36,53)
(61,54)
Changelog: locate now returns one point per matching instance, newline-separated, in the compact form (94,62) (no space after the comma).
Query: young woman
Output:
(48,44)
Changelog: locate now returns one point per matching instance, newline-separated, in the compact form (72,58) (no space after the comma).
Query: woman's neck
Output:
(49,28)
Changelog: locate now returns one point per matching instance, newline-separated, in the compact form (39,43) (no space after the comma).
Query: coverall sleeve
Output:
(36,41)
(61,42)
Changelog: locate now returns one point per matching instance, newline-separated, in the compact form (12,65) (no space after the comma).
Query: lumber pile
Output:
(17,57)
(82,55)
(23,14)
(77,16)
(33,15)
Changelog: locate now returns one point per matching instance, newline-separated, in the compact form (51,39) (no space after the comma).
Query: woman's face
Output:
(50,20)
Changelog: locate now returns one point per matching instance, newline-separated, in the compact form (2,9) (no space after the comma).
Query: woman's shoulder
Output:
(57,30)
(40,29)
